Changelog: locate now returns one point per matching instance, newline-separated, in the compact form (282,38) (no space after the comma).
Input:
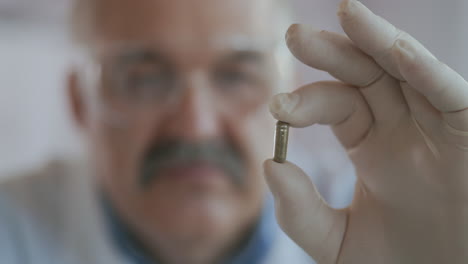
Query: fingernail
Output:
(347,7)
(405,49)
(292,30)
(284,103)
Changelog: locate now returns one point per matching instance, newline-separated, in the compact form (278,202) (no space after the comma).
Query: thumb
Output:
(303,214)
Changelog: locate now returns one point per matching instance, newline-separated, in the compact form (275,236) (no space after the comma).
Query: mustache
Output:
(172,153)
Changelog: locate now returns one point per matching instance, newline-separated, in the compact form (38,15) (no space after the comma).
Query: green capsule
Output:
(281,141)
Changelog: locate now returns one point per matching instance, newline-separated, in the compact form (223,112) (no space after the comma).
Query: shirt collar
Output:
(254,251)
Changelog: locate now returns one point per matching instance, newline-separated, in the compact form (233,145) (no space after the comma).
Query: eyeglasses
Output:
(143,83)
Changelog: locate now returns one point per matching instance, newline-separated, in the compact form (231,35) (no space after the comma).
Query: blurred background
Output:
(35,54)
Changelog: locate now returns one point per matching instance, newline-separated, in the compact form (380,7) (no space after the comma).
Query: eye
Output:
(241,85)
(147,83)
(232,80)
(230,77)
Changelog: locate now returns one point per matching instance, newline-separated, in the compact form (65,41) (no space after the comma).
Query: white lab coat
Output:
(51,217)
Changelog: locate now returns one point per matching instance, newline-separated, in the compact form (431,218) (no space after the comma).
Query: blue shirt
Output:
(253,252)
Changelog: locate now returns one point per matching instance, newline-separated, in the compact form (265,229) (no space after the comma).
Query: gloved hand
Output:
(402,116)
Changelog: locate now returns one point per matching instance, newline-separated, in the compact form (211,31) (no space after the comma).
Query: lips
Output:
(195,171)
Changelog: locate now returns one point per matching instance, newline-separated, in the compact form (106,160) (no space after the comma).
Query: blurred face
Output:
(180,127)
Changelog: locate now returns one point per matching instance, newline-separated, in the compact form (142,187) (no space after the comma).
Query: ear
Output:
(76,99)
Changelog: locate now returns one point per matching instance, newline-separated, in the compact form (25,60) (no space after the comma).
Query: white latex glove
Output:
(402,116)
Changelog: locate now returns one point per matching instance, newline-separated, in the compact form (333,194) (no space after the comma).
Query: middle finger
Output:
(337,55)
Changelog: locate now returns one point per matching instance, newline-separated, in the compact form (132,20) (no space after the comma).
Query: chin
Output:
(200,218)
(194,208)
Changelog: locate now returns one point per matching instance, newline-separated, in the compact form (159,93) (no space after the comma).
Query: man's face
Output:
(181,126)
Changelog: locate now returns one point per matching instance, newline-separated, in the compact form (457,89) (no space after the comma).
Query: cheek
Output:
(255,133)
(118,148)
(259,127)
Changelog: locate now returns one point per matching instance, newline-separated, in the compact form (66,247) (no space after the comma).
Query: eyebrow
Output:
(246,56)
(140,55)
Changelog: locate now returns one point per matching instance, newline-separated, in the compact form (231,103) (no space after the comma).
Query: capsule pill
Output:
(281,141)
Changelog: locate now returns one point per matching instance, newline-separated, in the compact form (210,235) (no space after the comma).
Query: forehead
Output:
(180,25)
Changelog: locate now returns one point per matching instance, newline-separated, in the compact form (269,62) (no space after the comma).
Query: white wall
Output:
(34,121)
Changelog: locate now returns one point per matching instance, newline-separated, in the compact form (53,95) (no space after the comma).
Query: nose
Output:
(195,116)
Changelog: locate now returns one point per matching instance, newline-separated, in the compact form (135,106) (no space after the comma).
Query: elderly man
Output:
(172,97)
(172,100)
